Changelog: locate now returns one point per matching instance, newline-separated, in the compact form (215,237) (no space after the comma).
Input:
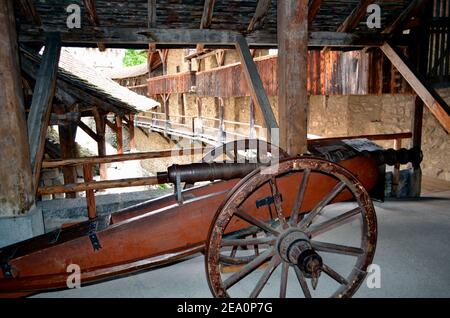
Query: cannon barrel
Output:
(198,172)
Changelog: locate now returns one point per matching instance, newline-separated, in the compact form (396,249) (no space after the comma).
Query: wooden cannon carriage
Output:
(260,213)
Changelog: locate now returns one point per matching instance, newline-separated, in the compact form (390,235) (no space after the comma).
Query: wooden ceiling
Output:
(176,23)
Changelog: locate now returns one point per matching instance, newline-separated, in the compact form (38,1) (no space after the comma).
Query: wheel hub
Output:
(294,247)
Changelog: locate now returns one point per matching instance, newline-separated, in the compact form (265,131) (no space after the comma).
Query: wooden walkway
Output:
(212,131)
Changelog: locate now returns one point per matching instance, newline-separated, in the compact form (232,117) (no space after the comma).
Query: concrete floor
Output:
(413,253)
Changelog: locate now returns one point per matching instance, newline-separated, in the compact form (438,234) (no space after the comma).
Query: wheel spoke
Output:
(250,241)
(233,260)
(306,222)
(277,202)
(333,274)
(254,221)
(337,249)
(248,268)
(332,223)
(233,251)
(275,261)
(300,196)
(255,246)
(284,279)
(302,281)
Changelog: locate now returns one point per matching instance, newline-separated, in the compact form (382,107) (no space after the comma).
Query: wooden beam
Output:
(111,125)
(17,193)
(261,11)
(88,131)
(61,119)
(41,104)
(255,84)
(29,12)
(292,76)
(141,37)
(414,8)
(91,11)
(151,6)
(355,17)
(432,100)
(208,10)
(163,55)
(205,23)
(314,7)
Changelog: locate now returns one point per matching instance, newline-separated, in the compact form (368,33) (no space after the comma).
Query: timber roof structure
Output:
(188,22)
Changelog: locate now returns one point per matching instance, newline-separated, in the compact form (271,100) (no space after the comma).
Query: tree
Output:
(134,57)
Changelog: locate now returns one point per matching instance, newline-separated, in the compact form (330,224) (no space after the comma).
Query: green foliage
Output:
(134,57)
(164,186)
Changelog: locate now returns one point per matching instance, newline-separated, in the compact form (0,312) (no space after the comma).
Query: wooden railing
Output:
(89,185)
(210,130)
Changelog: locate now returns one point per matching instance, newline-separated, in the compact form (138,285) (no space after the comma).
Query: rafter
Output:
(260,13)
(413,9)
(93,18)
(152,13)
(28,10)
(314,7)
(431,99)
(355,17)
(205,23)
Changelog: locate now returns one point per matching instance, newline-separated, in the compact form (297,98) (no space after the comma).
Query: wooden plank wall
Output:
(173,83)
(329,73)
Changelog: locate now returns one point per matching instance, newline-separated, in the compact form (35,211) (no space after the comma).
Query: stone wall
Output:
(378,114)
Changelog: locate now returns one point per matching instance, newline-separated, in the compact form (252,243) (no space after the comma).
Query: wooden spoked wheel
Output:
(317,242)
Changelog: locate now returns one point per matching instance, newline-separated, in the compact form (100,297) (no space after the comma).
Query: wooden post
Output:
(199,126)
(252,132)
(375,71)
(41,104)
(222,133)
(100,124)
(17,193)
(132,133)
(417,119)
(166,101)
(292,76)
(67,136)
(90,196)
(396,173)
(182,107)
(119,135)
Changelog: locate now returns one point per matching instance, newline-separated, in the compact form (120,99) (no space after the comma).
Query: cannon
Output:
(259,218)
